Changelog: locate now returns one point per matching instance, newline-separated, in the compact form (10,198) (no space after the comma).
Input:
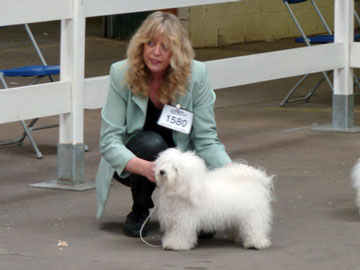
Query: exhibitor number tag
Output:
(176,119)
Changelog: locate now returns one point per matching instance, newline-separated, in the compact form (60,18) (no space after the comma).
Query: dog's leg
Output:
(254,232)
(233,234)
(180,237)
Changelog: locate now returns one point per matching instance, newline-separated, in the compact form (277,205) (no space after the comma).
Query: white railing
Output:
(73,93)
(253,68)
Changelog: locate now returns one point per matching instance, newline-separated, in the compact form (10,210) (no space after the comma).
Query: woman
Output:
(158,72)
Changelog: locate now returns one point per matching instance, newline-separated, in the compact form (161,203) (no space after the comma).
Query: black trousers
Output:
(146,145)
(141,191)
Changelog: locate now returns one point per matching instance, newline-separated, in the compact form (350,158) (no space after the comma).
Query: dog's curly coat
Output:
(236,198)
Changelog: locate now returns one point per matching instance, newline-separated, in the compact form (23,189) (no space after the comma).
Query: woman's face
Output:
(156,55)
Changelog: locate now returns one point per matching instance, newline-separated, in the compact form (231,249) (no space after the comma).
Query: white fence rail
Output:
(224,73)
(248,69)
(105,7)
(25,11)
(355,55)
(33,101)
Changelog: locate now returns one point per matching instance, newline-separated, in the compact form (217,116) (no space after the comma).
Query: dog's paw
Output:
(257,244)
(177,247)
(176,244)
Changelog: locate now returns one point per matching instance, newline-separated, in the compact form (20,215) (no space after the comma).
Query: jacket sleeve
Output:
(204,134)
(113,126)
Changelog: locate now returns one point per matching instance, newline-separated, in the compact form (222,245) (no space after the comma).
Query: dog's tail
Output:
(355,177)
(268,181)
(255,173)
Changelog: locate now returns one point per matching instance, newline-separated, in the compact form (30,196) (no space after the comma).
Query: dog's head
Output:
(178,173)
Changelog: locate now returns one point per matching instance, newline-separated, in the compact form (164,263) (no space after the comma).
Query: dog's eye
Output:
(175,169)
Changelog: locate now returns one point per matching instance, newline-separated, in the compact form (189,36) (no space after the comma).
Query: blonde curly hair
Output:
(179,70)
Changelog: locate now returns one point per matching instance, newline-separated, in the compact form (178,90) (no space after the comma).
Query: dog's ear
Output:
(167,174)
(172,175)
(186,182)
(183,173)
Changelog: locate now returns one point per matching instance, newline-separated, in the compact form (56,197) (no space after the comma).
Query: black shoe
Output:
(206,235)
(133,224)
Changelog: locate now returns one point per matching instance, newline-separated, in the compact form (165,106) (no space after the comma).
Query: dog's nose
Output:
(162,172)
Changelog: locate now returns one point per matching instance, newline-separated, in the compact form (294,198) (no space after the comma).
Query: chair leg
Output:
(321,17)
(326,77)
(31,128)
(28,133)
(10,142)
(306,98)
(292,90)
(310,94)
(307,42)
(356,80)
(25,133)
(20,140)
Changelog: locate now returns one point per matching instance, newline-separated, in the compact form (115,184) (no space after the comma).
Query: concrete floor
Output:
(316,224)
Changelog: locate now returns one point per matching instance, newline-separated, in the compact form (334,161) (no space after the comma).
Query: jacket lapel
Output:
(184,101)
(141,102)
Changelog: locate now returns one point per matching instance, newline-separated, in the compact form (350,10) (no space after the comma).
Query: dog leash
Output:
(142,227)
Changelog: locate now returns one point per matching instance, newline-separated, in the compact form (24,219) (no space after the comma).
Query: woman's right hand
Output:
(142,167)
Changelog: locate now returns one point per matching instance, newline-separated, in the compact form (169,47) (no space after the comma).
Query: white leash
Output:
(142,227)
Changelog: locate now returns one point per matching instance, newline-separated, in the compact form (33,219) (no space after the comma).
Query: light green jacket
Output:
(124,115)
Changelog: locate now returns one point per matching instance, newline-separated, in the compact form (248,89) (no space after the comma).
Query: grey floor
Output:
(316,224)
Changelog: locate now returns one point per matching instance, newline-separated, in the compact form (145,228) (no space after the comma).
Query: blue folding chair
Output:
(308,41)
(39,72)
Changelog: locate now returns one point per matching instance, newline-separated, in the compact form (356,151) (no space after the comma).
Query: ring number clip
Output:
(175,118)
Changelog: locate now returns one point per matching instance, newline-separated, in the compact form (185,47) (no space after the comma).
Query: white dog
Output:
(191,198)
(355,175)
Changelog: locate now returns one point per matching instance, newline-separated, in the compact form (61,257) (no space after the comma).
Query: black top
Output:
(152,116)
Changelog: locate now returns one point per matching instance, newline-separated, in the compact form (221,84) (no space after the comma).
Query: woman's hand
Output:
(142,167)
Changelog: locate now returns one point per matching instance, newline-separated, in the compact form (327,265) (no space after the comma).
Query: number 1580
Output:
(176,120)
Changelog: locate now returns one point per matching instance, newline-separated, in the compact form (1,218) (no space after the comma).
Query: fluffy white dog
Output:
(191,198)
(355,175)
